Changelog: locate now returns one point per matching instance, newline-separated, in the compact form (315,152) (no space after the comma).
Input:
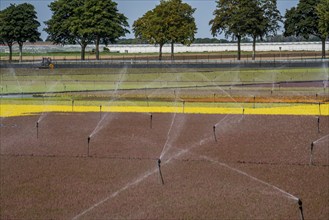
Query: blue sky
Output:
(134,9)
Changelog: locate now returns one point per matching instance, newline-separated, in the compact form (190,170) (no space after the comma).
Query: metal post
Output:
(301,209)
(159,166)
(88,146)
(214,130)
(37,130)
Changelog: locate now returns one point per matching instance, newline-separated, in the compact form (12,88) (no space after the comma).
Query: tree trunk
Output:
(83,51)
(97,48)
(20,52)
(172,50)
(10,52)
(239,47)
(160,52)
(254,48)
(323,48)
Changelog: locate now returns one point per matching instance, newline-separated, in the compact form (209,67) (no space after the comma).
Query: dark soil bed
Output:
(257,168)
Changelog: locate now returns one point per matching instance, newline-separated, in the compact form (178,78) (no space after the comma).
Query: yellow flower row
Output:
(302,109)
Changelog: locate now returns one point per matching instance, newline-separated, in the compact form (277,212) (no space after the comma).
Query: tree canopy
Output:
(322,11)
(84,22)
(169,22)
(232,18)
(18,24)
(241,18)
(303,20)
(265,22)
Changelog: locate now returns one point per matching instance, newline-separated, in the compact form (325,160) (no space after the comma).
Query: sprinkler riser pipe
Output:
(300,204)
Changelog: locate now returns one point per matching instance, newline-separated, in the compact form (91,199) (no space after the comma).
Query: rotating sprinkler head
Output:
(311,157)
(159,166)
(214,130)
(88,146)
(300,204)
(318,124)
(37,126)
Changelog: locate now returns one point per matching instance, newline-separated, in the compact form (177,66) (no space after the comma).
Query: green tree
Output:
(169,22)
(85,21)
(103,21)
(233,18)
(150,27)
(66,26)
(264,20)
(322,10)
(303,20)
(180,22)
(18,25)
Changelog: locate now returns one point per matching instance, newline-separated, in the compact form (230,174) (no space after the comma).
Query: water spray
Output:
(311,157)
(159,166)
(300,204)
(37,126)
(214,130)
(88,146)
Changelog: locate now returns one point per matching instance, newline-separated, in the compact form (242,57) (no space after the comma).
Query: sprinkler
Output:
(100,111)
(159,166)
(311,157)
(243,111)
(37,126)
(300,204)
(214,130)
(72,104)
(88,146)
(183,106)
(151,119)
(318,124)
(214,96)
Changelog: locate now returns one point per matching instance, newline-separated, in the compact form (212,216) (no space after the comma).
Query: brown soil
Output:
(53,178)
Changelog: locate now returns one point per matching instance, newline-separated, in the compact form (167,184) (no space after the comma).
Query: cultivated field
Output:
(69,152)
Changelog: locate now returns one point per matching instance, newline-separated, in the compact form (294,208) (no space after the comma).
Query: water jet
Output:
(159,166)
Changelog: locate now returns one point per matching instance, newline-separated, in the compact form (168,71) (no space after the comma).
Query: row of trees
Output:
(18,24)
(86,22)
